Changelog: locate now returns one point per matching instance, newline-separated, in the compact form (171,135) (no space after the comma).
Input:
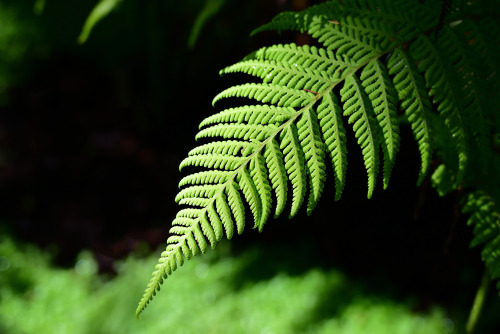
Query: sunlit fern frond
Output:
(373,64)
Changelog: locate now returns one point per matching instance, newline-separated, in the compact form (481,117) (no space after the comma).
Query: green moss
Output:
(36,298)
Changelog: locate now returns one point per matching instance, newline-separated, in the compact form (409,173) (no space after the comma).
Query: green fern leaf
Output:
(277,174)
(224,212)
(215,222)
(441,81)
(283,74)
(415,103)
(482,37)
(264,114)
(294,165)
(322,61)
(205,191)
(358,107)
(236,204)
(259,174)
(208,231)
(298,20)
(217,161)
(472,87)
(383,97)
(348,43)
(272,94)
(333,133)
(485,217)
(207,177)
(228,147)
(314,154)
(236,131)
(251,193)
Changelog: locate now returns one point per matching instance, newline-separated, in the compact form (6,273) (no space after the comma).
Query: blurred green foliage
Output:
(35,298)
(19,43)
(211,8)
(100,11)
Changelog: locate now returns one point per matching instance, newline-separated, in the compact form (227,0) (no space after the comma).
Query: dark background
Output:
(91,137)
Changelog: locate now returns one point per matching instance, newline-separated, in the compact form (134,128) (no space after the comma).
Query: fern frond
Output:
(469,65)
(377,58)
(485,217)
(441,82)
(397,15)
(483,38)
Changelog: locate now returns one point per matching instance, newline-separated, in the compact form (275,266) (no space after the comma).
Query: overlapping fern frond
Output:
(485,218)
(377,63)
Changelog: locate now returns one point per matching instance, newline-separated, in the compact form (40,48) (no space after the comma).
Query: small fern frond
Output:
(441,82)
(482,37)
(472,87)
(485,217)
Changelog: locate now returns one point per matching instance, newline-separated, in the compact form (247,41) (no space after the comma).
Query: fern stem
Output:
(478,303)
